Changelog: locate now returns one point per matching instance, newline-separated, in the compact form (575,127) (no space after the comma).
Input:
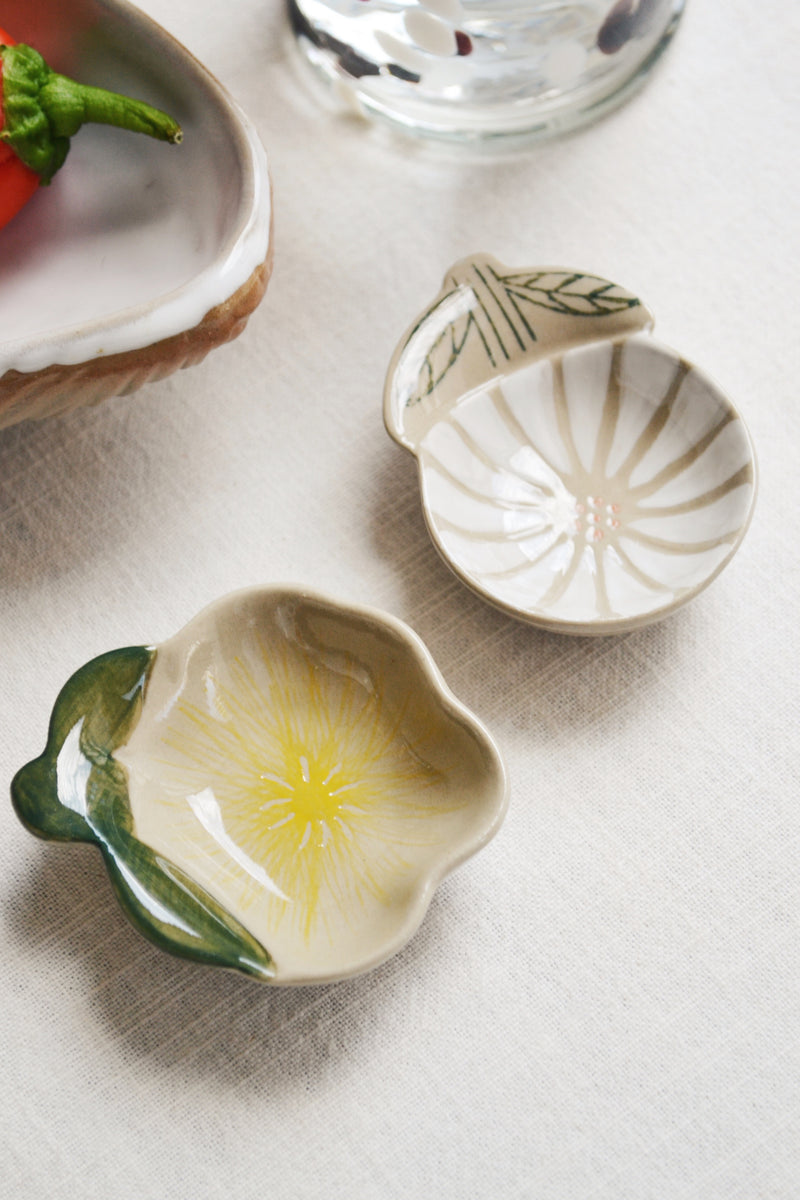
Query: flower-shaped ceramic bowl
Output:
(139,258)
(574,471)
(278,789)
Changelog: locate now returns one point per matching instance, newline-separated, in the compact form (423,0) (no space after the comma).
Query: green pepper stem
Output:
(41,111)
(69,105)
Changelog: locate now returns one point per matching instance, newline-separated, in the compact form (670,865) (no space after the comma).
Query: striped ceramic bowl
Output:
(574,471)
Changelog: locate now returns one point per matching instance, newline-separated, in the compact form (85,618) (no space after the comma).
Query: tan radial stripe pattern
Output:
(608,424)
(593,510)
(655,425)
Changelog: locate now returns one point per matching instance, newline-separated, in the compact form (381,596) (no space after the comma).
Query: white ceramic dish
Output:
(279,788)
(139,258)
(574,471)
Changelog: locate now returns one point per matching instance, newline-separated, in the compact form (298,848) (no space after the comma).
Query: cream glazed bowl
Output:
(574,471)
(139,258)
(278,789)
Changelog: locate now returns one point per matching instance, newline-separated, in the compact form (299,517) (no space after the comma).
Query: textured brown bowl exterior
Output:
(57,389)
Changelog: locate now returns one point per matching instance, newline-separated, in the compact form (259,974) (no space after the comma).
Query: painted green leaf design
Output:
(445,351)
(489,311)
(93,714)
(77,791)
(568,292)
(171,910)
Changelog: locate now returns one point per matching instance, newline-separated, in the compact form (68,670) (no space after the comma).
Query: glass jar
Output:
(469,70)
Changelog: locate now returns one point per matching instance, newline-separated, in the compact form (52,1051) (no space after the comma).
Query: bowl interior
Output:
(306,768)
(591,492)
(127,220)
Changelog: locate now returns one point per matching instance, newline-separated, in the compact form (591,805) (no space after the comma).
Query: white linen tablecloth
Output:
(605,1003)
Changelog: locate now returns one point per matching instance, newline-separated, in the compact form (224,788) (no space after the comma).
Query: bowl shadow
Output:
(196,1022)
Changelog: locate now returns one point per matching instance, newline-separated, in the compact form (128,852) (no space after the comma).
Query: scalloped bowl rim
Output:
(49,812)
(445,865)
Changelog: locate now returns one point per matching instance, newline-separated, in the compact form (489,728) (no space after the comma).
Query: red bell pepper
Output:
(40,111)
(17,182)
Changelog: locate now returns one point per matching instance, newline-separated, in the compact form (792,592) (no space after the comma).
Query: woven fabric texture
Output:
(604,1004)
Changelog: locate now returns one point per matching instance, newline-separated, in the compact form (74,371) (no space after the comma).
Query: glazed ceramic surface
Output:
(574,471)
(139,258)
(278,788)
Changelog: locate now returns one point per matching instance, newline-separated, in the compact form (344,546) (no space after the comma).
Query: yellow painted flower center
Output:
(313,798)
